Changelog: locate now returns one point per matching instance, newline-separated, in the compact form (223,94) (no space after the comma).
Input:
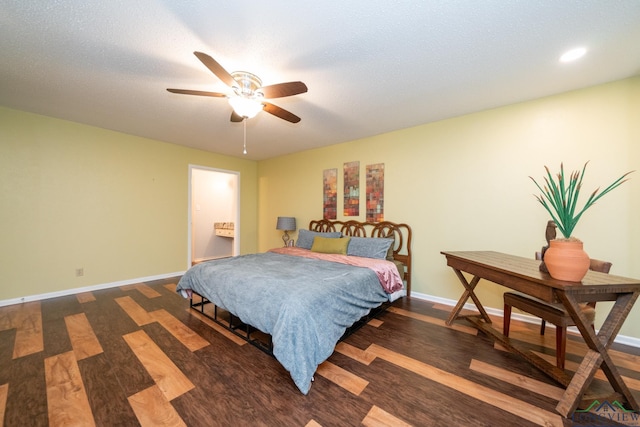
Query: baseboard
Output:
(73,291)
(620,339)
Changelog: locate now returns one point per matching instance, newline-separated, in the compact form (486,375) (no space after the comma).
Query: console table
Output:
(523,275)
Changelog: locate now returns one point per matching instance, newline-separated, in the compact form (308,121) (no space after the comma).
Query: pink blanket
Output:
(385,270)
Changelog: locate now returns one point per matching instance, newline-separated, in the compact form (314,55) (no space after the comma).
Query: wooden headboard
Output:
(400,232)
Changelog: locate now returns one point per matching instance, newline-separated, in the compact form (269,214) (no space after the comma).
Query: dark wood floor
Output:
(136,355)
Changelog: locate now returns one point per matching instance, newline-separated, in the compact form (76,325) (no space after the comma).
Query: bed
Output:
(305,298)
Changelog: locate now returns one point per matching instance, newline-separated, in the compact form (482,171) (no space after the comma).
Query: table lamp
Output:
(286,223)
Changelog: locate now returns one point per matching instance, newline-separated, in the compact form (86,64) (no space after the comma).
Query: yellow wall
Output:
(76,196)
(462,183)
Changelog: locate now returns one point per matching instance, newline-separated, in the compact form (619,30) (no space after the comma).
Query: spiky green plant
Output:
(560,198)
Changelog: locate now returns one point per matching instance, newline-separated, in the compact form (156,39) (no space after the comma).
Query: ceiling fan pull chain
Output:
(244,151)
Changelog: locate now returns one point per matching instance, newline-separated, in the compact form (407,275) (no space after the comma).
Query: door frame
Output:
(190,230)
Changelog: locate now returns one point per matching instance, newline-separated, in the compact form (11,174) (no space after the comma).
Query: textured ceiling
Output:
(371,66)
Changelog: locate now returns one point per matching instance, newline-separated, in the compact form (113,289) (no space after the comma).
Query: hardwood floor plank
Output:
(169,378)
(56,337)
(523,381)
(28,341)
(341,377)
(28,322)
(134,310)
(576,348)
(530,333)
(433,320)
(507,403)
(4,391)
(107,397)
(26,398)
(154,410)
(83,339)
(230,335)
(66,396)
(186,336)
(379,418)
(143,289)
(625,360)
(447,308)
(7,314)
(84,297)
(632,383)
(376,323)
(355,353)
(146,290)
(7,339)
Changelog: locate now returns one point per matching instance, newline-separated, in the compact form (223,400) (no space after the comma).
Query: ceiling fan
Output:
(249,96)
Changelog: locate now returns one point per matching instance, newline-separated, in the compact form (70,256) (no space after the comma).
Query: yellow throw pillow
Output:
(330,245)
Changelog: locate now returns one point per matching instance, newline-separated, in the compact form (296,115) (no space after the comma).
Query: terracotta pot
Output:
(566,260)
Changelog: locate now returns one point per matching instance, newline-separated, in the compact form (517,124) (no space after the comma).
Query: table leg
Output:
(597,354)
(468,293)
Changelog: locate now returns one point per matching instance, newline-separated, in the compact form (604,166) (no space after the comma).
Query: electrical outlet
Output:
(79,272)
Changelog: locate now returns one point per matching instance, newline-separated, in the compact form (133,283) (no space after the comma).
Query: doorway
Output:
(214,214)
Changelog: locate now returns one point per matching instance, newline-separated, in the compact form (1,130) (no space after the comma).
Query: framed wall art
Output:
(375,192)
(330,194)
(352,189)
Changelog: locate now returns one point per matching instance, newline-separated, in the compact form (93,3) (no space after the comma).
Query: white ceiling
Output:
(371,66)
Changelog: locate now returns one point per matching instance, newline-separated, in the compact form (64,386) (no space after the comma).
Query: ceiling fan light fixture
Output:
(246,83)
(245,107)
(248,97)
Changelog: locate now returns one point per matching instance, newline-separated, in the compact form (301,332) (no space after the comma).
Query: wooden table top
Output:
(527,270)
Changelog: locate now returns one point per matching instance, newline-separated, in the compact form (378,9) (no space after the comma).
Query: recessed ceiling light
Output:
(573,54)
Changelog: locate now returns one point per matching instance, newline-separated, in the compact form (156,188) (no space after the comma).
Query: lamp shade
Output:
(287,223)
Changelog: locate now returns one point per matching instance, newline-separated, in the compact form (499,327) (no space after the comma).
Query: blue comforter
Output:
(304,304)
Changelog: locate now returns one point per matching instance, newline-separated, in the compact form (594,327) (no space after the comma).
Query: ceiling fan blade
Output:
(216,68)
(197,92)
(280,112)
(281,90)
(235,117)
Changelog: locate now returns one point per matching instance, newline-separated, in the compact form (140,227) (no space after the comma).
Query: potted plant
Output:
(565,259)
